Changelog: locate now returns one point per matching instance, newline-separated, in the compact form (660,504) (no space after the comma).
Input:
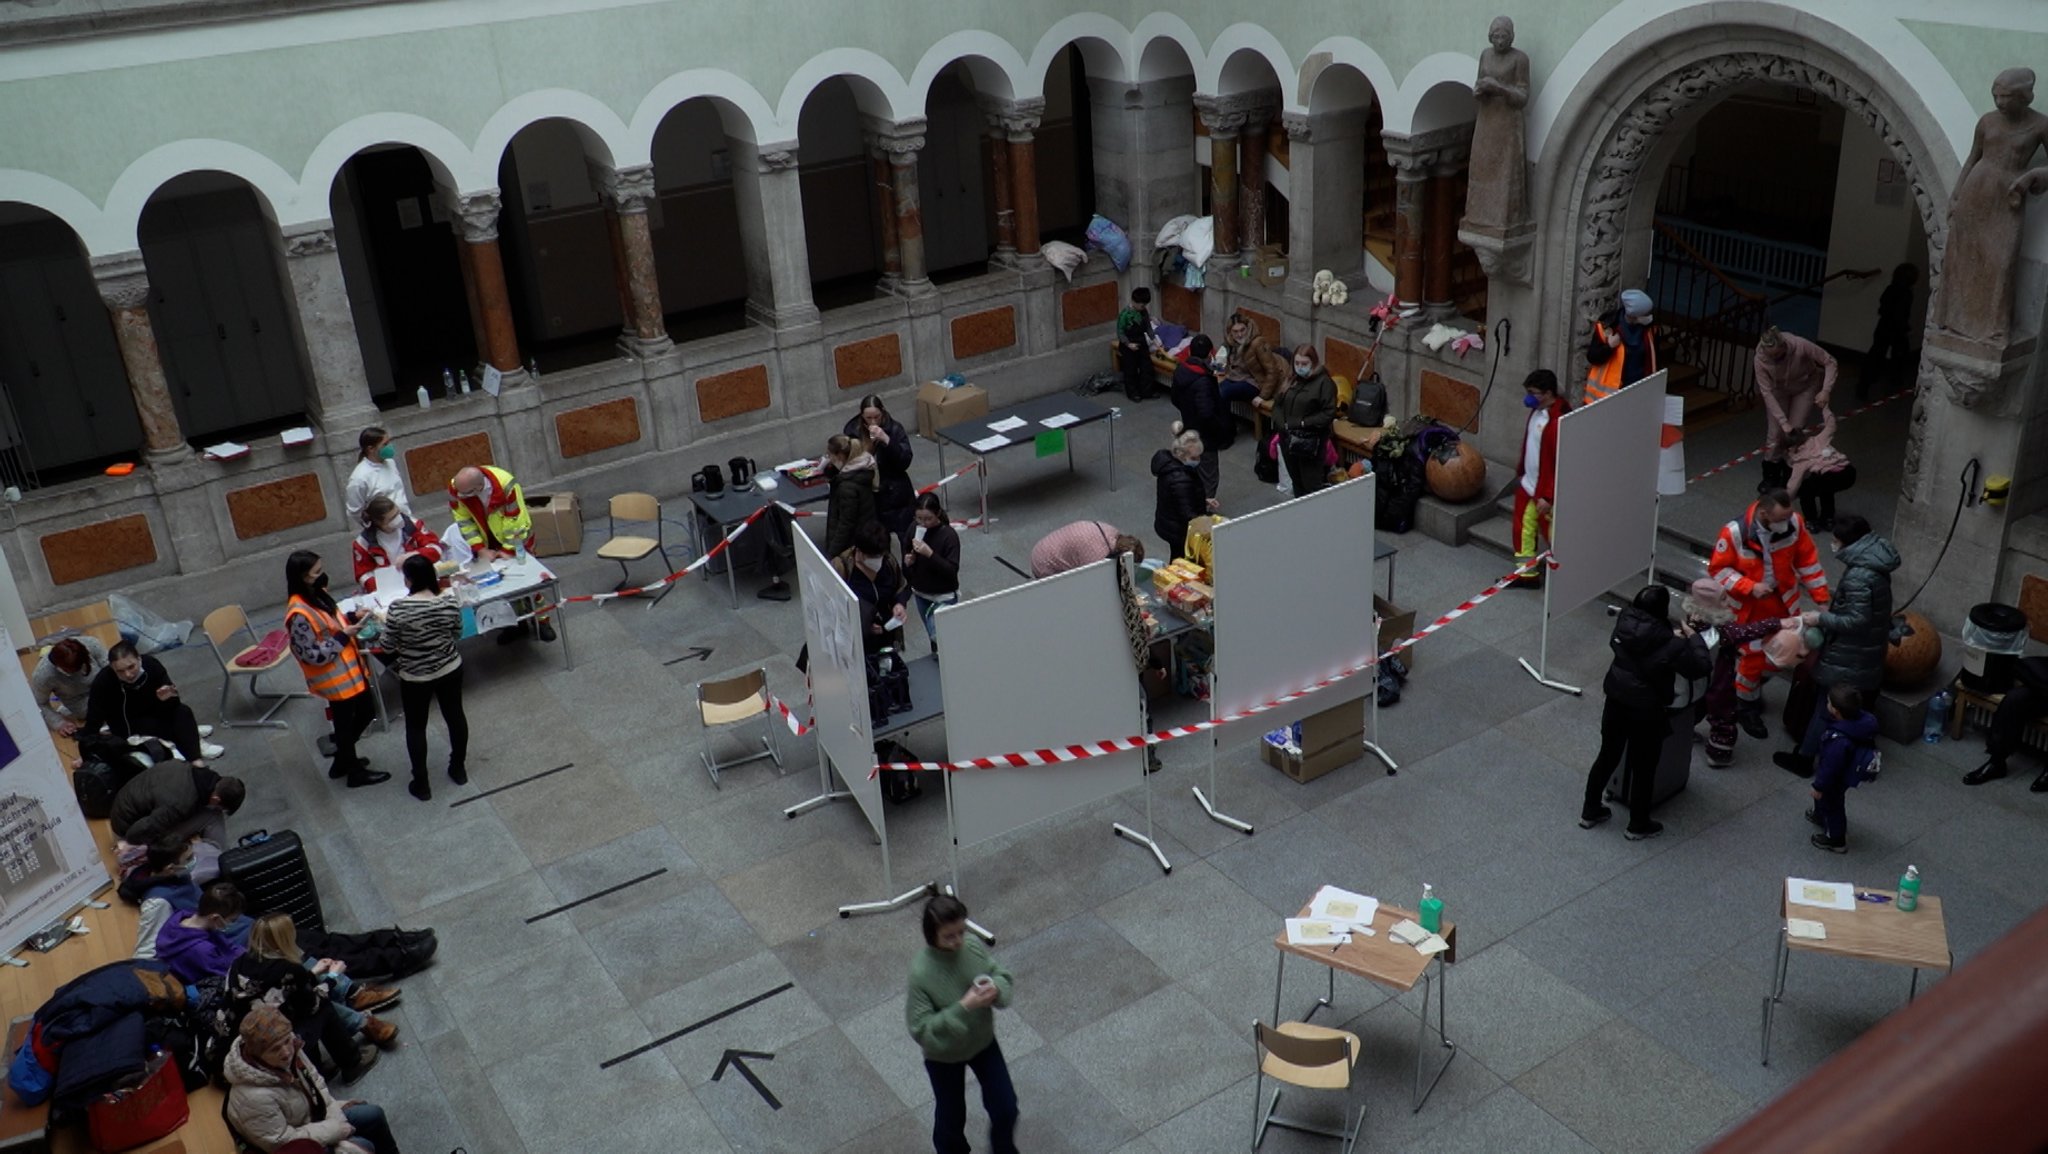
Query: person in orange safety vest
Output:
(325,644)
(1623,348)
(1764,558)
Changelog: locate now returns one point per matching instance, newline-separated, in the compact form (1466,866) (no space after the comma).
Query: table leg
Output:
(1422,1092)
(1914,989)
(1278,980)
(1390,578)
(1784,956)
(1112,447)
(981,475)
(732,581)
(562,625)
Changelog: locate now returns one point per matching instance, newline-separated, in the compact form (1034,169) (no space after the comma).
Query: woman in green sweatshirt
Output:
(955,986)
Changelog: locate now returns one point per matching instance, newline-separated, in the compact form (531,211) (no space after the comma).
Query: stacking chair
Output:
(1311,1057)
(732,702)
(635,508)
(222,627)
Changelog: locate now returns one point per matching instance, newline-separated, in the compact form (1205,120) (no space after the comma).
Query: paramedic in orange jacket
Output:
(1536,476)
(1623,349)
(1764,558)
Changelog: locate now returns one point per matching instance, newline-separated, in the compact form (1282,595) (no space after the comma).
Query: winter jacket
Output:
(92,1029)
(194,954)
(118,705)
(896,496)
(68,690)
(1257,359)
(1544,467)
(1200,405)
(1649,658)
(939,574)
(272,1107)
(1835,767)
(1615,367)
(1858,621)
(880,594)
(1744,553)
(1181,498)
(1308,404)
(851,505)
(159,800)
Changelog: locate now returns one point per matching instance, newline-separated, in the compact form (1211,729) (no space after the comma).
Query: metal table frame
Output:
(1421,1092)
(1783,962)
(787,492)
(957,434)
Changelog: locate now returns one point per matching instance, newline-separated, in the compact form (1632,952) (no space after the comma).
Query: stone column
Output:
(770,197)
(1225,120)
(1326,185)
(884,198)
(124,286)
(1020,119)
(1252,179)
(999,186)
(327,328)
(1145,172)
(1411,214)
(477,213)
(627,195)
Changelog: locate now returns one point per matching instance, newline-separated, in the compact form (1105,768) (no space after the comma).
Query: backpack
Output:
(1867,765)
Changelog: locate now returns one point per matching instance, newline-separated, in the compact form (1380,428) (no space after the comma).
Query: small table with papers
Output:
(1872,928)
(1023,425)
(1379,958)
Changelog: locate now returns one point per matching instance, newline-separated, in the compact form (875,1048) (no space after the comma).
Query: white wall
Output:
(1875,226)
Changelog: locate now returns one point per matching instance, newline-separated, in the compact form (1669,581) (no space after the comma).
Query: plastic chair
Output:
(221,627)
(635,507)
(1311,1057)
(732,702)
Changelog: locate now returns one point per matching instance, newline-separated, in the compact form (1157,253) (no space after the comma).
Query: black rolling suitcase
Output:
(271,871)
(1674,765)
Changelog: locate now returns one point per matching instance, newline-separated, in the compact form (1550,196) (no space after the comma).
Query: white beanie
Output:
(1636,302)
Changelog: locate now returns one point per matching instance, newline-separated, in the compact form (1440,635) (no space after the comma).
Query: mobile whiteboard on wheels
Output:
(839,678)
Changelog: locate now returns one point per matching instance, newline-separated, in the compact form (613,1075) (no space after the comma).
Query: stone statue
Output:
(1497,196)
(1984,216)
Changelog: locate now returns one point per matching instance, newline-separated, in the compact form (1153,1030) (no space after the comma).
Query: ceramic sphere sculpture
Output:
(1911,660)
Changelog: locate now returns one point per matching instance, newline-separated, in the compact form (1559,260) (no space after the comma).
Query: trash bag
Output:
(1105,234)
(149,632)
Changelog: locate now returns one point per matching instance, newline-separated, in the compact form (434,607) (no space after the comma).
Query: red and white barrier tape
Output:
(1753,454)
(1088,750)
(931,488)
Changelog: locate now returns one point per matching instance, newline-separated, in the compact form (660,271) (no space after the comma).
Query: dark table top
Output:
(1085,412)
(926,701)
(1380,549)
(730,508)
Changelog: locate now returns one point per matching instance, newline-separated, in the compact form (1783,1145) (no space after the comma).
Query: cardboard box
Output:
(1331,738)
(1310,766)
(557,524)
(1395,624)
(939,406)
(1269,265)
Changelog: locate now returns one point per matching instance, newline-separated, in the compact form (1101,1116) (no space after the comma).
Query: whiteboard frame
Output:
(1604,515)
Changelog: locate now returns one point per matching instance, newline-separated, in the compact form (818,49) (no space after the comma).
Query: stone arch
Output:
(1165,46)
(743,111)
(275,188)
(447,157)
(1444,104)
(994,66)
(1101,41)
(1430,96)
(604,137)
(878,89)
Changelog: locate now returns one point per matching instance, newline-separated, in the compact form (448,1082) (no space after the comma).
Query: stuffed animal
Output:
(1328,290)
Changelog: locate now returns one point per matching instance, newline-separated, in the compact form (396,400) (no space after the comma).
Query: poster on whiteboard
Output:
(48,860)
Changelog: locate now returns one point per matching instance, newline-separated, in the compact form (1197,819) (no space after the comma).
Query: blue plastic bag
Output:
(1104,234)
(28,1078)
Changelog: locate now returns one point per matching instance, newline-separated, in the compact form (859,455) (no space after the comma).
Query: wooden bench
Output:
(2035,735)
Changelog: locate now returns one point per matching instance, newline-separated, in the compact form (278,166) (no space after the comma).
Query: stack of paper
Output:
(1315,932)
(1341,905)
(1824,895)
(1006,424)
(1805,928)
(225,451)
(990,444)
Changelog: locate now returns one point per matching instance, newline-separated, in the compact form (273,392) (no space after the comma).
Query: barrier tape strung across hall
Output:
(726,543)
(1753,454)
(931,488)
(1073,753)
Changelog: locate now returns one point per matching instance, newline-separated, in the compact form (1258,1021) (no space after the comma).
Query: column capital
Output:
(780,156)
(123,281)
(1017,119)
(1418,156)
(626,190)
(312,238)
(1230,115)
(478,214)
(1297,125)
(899,140)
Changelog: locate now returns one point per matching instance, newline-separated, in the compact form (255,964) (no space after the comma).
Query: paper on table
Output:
(987,444)
(1407,932)
(1431,945)
(1059,420)
(1006,424)
(1825,895)
(1805,928)
(1341,905)
(1315,932)
(493,380)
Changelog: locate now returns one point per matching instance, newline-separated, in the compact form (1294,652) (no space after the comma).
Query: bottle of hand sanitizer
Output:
(422,394)
(447,383)
(1432,910)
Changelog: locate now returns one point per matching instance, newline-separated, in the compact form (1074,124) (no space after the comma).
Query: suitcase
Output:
(271,871)
(1674,765)
(125,1119)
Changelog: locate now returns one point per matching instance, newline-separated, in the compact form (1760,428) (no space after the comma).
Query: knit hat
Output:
(1710,594)
(1636,303)
(264,1030)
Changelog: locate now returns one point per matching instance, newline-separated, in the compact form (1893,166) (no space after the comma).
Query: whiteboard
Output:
(1035,667)
(1294,602)
(839,677)
(1603,521)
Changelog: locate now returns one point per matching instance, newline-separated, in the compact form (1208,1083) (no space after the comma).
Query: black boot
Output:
(1992,769)
(363,777)
(1751,718)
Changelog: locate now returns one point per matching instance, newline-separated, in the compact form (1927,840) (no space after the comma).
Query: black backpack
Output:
(108,764)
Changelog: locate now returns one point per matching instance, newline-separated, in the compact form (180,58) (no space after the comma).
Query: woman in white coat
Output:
(375,475)
(276,1095)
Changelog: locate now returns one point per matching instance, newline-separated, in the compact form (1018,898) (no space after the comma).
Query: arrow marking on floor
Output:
(734,1058)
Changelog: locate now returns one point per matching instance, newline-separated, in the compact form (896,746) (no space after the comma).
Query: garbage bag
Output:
(148,631)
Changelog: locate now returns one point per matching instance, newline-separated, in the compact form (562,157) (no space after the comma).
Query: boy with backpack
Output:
(1848,758)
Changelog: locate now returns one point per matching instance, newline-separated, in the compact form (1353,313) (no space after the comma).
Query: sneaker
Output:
(1589,822)
(1795,764)
(366,1057)
(1752,722)
(1991,770)
(776,592)
(209,751)
(380,1033)
(1822,841)
(369,999)
(1646,833)
(206,731)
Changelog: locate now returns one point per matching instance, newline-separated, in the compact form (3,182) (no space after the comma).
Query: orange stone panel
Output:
(1084,308)
(1269,326)
(593,428)
(1343,358)
(2034,603)
(731,393)
(275,506)
(99,549)
(432,466)
(1450,400)
(865,362)
(978,334)
(1181,306)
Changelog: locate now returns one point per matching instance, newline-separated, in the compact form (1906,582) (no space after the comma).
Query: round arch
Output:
(1245,58)
(60,200)
(605,138)
(743,110)
(994,66)
(878,88)
(1445,102)
(274,187)
(1103,44)
(1165,47)
(450,160)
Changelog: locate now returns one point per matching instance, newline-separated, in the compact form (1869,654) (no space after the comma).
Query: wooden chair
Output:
(732,702)
(221,628)
(638,508)
(1311,1057)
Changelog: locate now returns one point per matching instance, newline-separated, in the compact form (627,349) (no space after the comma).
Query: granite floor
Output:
(1605,998)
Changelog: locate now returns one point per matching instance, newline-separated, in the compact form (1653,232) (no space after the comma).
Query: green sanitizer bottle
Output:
(1909,890)
(1432,910)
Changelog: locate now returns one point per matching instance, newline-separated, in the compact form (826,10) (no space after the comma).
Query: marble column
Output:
(899,144)
(327,328)
(1252,180)
(477,214)
(884,198)
(124,286)
(769,194)
(999,186)
(1411,213)
(1020,119)
(476,313)
(1223,133)
(1439,250)
(628,193)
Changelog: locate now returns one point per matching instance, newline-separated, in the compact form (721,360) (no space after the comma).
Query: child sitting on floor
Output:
(1846,753)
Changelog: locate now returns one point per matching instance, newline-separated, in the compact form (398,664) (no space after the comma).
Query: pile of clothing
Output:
(95,1034)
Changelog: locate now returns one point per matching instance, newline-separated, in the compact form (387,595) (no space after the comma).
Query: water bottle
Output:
(1909,891)
(463,377)
(1432,910)
(1937,717)
(447,383)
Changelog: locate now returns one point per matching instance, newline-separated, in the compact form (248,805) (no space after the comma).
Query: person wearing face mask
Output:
(889,443)
(1856,629)
(876,580)
(1764,558)
(1623,348)
(389,536)
(1180,497)
(325,645)
(1251,369)
(1303,411)
(932,563)
(491,514)
(134,697)
(1538,471)
(1195,397)
(375,475)
(854,485)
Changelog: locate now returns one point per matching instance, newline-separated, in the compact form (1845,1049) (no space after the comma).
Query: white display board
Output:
(839,677)
(1603,526)
(48,861)
(1039,666)
(1294,602)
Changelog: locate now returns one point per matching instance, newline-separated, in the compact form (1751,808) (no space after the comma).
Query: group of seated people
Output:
(86,689)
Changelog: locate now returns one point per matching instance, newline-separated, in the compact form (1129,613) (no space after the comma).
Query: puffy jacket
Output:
(1181,498)
(1199,401)
(1256,358)
(1739,559)
(194,954)
(851,505)
(1307,405)
(1839,745)
(118,705)
(1649,658)
(498,518)
(272,1107)
(1858,621)
(158,800)
(895,496)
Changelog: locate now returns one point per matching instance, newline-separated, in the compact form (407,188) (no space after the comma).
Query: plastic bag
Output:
(151,633)
(1170,232)
(1106,235)
(1198,241)
(1063,256)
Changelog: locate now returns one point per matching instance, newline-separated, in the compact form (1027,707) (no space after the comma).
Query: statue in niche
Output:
(1497,194)
(1985,215)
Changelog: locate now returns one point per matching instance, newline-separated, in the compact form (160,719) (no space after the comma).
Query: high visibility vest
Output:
(341,678)
(1604,380)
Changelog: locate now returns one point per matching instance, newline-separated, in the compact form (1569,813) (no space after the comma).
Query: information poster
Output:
(48,862)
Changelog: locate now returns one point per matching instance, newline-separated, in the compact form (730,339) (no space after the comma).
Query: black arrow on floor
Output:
(734,1058)
(696,653)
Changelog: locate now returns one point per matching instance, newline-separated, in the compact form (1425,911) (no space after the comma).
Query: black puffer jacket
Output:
(1181,498)
(895,495)
(851,505)
(1200,404)
(1648,659)
(1858,620)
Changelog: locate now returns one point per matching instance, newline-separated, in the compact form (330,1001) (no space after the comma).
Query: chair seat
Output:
(235,664)
(627,548)
(1331,1077)
(716,714)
